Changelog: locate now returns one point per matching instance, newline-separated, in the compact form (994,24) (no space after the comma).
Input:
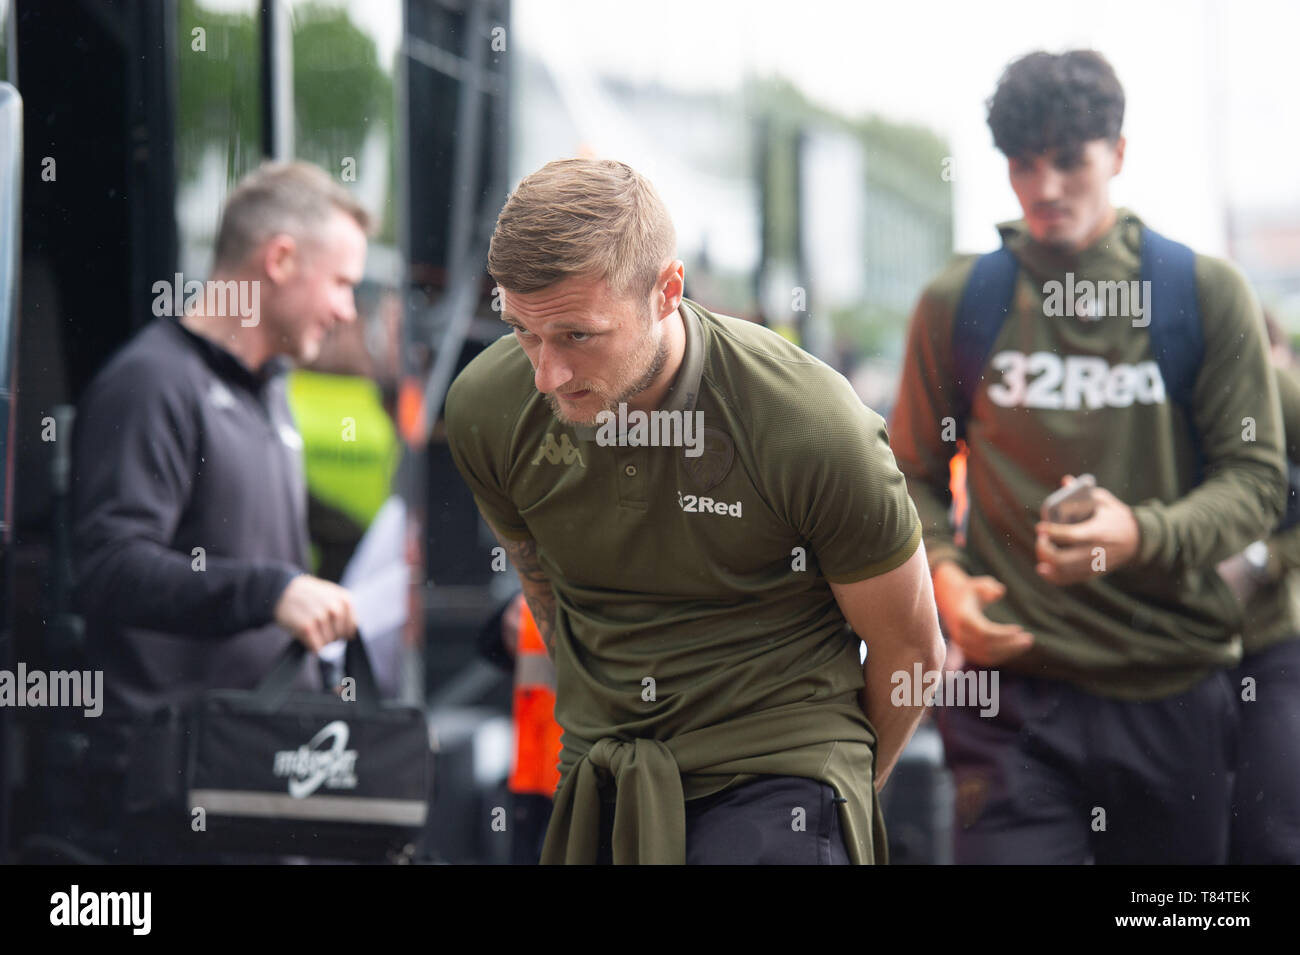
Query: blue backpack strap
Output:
(1177,341)
(984,305)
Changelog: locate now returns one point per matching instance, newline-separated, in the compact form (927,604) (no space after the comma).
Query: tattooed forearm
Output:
(523,554)
(536,586)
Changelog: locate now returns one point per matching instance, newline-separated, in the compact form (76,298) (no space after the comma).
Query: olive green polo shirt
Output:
(697,640)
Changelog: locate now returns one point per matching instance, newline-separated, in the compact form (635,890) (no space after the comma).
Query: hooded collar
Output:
(1117,252)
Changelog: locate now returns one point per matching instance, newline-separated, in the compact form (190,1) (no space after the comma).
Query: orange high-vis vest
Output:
(537,735)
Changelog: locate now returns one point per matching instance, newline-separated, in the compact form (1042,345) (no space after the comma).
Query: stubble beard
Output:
(647,378)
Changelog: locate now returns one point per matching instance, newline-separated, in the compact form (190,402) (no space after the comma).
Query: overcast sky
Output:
(1211,84)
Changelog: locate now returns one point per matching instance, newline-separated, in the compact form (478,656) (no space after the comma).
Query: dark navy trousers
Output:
(1266,799)
(1062,776)
(773,820)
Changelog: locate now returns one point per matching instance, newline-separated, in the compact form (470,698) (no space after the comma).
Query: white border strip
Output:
(234,802)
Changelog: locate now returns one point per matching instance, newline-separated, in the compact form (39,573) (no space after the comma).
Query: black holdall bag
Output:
(312,774)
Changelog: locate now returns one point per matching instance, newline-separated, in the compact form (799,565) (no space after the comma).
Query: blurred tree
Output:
(219,100)
(341,96)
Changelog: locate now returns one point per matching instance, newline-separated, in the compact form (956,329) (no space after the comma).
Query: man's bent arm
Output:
(896,616)
(534,582)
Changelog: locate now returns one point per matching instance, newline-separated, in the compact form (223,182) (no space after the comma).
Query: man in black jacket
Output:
(190,519)
(188,493)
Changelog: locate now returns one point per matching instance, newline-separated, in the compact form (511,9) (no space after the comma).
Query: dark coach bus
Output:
(123,123)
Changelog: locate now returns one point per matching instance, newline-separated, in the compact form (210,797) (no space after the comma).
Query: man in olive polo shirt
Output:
(691,570)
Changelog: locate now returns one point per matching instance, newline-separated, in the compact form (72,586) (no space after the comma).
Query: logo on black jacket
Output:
(309,767)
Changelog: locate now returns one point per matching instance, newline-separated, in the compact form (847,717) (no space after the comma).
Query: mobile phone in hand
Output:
(1072,503)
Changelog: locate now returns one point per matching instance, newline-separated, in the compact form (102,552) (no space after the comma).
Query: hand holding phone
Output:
(1073,503)
(1086,532)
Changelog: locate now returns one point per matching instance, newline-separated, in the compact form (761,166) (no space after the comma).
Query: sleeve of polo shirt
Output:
(839,485)
(479,452)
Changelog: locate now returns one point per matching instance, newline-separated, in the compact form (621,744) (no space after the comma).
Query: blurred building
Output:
(1266,244)
(858,216)
(696,148)
(823,226)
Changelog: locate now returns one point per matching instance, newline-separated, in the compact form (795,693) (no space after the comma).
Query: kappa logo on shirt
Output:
(562,452)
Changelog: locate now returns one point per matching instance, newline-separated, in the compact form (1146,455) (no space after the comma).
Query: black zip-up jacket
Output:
(189,520)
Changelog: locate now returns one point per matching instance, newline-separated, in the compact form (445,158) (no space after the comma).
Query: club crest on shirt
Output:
(714,463)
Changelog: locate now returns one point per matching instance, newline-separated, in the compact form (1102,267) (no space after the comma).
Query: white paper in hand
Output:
(378,577)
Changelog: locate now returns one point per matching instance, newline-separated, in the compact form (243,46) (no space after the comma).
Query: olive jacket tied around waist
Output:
(650,811)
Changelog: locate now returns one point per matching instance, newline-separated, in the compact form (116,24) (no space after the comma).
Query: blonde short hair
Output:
(295,198)
(591,218)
